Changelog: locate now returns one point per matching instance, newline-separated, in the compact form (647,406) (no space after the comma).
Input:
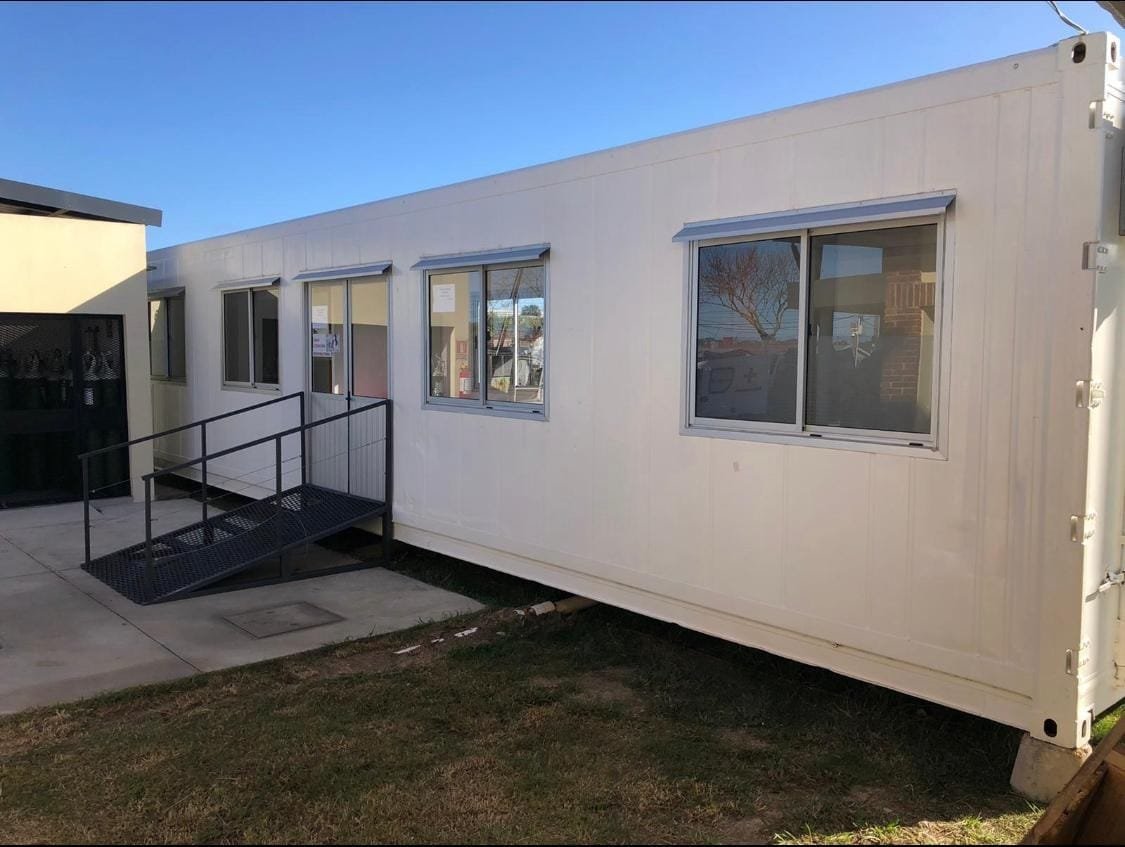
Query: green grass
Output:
(1105,723)
(602,727)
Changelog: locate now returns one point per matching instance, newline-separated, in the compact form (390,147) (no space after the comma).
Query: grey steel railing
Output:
(276,437)
(202,424)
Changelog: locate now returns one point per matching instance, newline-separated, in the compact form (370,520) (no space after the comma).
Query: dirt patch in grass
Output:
(742,740)
(609,685)
(744,831)
(600,727)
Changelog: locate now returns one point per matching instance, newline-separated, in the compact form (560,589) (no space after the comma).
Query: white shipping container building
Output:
(842,381)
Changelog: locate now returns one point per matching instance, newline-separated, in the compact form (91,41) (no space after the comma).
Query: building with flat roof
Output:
(73,343)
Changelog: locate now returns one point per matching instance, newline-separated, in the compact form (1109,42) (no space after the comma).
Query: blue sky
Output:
(228,116)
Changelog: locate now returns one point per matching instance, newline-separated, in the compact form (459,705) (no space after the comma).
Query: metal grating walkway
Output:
(198,555)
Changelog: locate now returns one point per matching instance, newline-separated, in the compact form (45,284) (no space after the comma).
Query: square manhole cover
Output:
(262,623)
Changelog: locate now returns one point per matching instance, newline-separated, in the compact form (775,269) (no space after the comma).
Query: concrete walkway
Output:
(65,635)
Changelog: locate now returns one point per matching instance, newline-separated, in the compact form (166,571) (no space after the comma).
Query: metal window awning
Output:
(264,282)
(167,291)
(917,206)
(529,253)
(351,272)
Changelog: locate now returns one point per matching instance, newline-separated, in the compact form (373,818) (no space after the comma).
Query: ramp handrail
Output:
(276,437)
(84,458)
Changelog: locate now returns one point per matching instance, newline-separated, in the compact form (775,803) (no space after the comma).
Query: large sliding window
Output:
(167,337)
(250,338)
(823,331)
(486,329)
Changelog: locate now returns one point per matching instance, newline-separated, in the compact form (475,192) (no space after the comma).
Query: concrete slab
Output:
(369,602)
(15,562)
(65,635)
(60,545)
(289,617)
(58,644)
(50,515)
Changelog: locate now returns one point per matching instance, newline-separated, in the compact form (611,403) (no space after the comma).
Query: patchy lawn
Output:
(599,727)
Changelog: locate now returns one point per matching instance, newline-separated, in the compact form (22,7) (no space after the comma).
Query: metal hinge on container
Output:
(1076,662)
(1119,655)
(1082,527)
(1088,393)
(1111,579)
(1095,256)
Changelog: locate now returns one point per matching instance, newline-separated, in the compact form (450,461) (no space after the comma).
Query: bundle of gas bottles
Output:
(37,457)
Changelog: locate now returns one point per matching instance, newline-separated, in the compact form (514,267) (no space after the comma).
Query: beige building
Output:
(74,342)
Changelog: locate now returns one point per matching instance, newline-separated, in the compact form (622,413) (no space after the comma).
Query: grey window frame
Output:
(800,431)
(163,297)
(248,292)
(483,405)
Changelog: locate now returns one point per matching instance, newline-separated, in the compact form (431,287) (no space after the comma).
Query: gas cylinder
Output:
(54,380)
(94,441)
(110,380)
(34,381)
(7,366)
(67,385)
(7,471)
(90,379)
(32,386)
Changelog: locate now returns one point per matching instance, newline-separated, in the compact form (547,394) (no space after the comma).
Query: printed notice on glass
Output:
(443,298)
(320,316)
(325,344)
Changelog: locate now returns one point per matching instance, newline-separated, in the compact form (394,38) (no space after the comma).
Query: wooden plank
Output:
(1104,822)
(1067,813)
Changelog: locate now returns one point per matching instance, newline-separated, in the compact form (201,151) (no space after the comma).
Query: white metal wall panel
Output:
(566,460)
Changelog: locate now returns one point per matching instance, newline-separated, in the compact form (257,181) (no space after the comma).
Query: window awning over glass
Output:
(264,282)
(527,253)
(351,272)
(896,208)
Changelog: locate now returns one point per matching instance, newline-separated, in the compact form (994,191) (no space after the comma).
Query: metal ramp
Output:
(196,557)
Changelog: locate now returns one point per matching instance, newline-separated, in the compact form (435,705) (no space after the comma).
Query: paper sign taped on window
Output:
(325,344)
(320,315)
(443,298)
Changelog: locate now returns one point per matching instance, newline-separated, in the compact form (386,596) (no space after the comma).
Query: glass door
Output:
(348,326)
(368,337)
(367,345)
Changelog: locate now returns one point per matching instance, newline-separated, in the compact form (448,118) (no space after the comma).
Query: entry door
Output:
(348,321)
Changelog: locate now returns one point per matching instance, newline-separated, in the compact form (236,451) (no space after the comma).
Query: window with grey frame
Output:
(167,337)
(486,329)
(250,338)
(823,332)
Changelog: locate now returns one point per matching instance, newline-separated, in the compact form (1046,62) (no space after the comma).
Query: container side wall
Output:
(948,574)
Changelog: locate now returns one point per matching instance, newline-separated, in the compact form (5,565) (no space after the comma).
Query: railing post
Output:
(149,582)
(304,477)
(277,520)
(86,503)
(388,482)
(203,470)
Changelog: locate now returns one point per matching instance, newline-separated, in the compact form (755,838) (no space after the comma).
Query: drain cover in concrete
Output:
(262,623)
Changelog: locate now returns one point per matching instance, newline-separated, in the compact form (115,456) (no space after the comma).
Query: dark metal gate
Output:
(62,392)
